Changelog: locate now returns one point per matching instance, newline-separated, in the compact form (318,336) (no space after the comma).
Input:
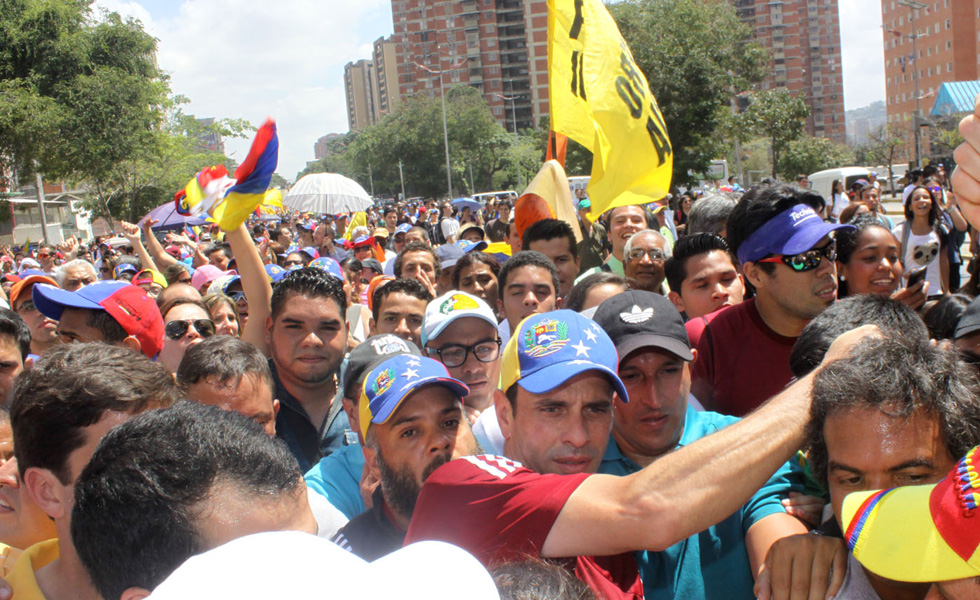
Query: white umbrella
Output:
(328,193)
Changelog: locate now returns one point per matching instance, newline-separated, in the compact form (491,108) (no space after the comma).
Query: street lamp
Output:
(445,128)
(914,5)
(513,110)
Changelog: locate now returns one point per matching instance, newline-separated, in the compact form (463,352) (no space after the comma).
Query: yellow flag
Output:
(358,220)
(600,99)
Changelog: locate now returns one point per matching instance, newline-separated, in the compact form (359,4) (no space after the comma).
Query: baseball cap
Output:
(372,263)
(123,268)
(547,350)
(128,304)
(969,321)
(387,384)
(921,532)
(451,306)
(370,352)
(381,232)
(403,228)
(275,272)
(449,255)
(18,289)
(29,263)
(584,203)
(329,265)
(469,226)
(638,319)
(310,251)
(204,275)
(364,240)
(792,231)
(467,246)
(150,276)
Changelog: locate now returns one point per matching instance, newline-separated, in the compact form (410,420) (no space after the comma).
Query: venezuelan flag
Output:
(252,179)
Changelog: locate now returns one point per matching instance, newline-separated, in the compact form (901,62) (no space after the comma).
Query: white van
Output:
(821,181)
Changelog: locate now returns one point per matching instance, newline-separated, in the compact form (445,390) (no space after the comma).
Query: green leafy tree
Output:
(809,155)
(780,117)
(695,55)
(884,146)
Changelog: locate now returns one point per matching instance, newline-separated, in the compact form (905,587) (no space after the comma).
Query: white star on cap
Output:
(580,362)
(591,335)
(581,349)
(413,361)
(410,374)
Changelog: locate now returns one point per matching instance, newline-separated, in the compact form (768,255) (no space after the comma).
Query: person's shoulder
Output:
(706,422)
(474,469)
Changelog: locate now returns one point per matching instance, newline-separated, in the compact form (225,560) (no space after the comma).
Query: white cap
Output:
(298,565)
(451,306)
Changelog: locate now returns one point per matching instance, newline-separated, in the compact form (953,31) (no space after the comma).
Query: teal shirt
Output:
(338,478)
(714,564)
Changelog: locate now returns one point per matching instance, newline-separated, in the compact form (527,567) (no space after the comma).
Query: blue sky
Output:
(285,59)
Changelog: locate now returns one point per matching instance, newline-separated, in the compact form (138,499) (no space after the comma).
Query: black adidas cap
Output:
(638,319)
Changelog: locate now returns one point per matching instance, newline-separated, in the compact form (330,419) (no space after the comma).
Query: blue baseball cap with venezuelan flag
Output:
(547,350)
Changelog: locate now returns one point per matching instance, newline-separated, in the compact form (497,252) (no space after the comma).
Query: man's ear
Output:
(268,330)
(371,461)
(677,300)
(134,593)
(132,343)
(46,491)
(505,413)
(753,273)
(275,408)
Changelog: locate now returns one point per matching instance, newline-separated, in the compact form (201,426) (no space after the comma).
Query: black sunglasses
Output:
(806,261)
(176,330)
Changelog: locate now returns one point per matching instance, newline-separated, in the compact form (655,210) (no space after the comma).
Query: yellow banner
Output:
(600,99)
(357,220)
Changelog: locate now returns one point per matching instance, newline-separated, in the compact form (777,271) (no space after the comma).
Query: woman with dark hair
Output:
(923,238)
(476,273)
(591,291)
(683,208)
(868,262)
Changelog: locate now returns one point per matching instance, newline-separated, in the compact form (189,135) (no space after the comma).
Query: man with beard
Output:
(307,337)
(787,253)
(411,417)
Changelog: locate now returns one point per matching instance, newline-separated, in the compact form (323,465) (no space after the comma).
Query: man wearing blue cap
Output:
(788,254)
(411,419)
(398,242)
(558,381)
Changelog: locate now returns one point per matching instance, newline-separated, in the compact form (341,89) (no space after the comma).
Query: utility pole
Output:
(40,204)
(445,129)
(401,176)
(513,110)
(371,179)
(914,5)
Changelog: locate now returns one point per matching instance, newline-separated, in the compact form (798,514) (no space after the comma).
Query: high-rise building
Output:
(386,71)
(926,45)
(803,37)
(361,86)
(499,47)
(322,146)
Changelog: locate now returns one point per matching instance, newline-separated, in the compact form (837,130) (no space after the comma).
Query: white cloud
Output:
(862,52)
(256,58)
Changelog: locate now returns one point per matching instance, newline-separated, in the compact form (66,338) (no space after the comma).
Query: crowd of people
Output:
(692,399)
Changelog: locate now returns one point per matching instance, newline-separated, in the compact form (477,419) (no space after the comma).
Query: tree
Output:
(695,55)
(413,136)
(780,117)
(884,145)
(809,154)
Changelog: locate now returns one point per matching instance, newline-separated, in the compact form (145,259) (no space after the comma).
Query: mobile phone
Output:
(916,276)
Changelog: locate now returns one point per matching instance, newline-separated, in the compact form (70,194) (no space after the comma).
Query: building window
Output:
(948,25)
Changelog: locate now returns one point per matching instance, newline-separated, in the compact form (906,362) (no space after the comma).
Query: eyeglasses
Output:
(935,189)
(44,255)
(176,330)
(454,355)
(655,254)
(805,261)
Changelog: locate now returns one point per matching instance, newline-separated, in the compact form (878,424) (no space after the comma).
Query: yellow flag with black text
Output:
(600,99)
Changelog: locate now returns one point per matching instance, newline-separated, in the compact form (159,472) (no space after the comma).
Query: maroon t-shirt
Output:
(741,362)
(501,512)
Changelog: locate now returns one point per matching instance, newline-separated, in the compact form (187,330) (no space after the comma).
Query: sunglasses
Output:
(176,330)
(44,255)
(806,261)
(935,189)
(237,296)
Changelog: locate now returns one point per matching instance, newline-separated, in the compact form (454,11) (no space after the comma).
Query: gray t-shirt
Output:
(856,585)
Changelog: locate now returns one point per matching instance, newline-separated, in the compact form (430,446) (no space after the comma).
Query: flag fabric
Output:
(252,179)
(203,191)
(358,220)
(600,99)
(548,196)
(557,147)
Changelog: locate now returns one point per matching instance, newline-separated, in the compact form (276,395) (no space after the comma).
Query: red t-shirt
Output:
(501,512)
(741,362)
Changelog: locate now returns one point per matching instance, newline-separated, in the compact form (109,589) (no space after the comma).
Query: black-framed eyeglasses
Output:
(655,254)
(176,330)
(805,261)
(454,355)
